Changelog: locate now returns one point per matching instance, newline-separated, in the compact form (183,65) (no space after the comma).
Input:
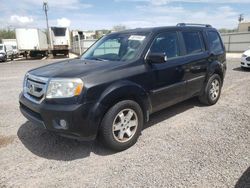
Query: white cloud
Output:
(17,20)
(164,2)
(60,4)
(63,22)
(221,17)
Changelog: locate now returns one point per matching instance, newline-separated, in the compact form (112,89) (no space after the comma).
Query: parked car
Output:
(111,91)
(245,59)
(6,52)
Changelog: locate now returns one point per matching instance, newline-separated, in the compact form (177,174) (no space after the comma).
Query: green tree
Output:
(7,34)
(223,30)
(119,27)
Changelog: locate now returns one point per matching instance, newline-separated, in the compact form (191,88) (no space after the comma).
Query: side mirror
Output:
(157,58)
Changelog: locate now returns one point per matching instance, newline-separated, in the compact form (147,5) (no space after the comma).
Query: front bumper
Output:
(79,123)
(245,63)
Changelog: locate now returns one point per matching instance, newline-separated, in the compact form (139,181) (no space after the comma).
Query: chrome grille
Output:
(35,88)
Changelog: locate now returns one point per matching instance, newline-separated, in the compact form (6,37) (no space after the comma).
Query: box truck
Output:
(32,41)
(60,40)
(13,43)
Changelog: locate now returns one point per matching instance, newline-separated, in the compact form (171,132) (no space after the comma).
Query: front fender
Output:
(121,90)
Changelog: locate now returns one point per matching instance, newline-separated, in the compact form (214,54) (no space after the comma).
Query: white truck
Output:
(32,41)
(13,43)
(60,40)
(6,52)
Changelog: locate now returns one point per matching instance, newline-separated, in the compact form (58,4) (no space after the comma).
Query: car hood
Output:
(247,52)
(74,68)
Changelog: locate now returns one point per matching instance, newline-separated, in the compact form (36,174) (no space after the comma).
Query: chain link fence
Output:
(83,45)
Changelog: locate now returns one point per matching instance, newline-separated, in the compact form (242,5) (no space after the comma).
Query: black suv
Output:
(111,90)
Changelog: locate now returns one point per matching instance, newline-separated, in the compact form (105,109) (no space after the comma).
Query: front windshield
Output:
(1,47)
(116,47)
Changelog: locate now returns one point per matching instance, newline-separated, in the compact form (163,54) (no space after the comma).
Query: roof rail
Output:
(192,24)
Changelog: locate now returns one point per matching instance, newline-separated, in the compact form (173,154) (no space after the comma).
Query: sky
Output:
(104,14)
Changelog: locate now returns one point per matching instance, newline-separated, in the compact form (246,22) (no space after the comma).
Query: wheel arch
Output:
(216,68)
(119,91)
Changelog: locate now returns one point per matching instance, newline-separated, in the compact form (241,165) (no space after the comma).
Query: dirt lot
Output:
(187,145)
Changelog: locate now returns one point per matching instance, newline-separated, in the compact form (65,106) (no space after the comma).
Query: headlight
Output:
(64,88)
(1,55)
(244,55)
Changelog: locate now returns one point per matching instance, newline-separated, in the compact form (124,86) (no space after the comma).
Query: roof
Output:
(163,28)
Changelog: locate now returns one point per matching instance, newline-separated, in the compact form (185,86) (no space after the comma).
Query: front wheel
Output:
(5,59)
(121,125)
(212,91)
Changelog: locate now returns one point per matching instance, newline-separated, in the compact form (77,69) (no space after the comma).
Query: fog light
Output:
(63,123)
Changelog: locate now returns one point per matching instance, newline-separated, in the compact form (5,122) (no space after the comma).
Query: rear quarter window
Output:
(214,42)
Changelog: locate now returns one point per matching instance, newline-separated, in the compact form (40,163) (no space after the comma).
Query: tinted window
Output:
(166,43)
(193,42)
(214,42)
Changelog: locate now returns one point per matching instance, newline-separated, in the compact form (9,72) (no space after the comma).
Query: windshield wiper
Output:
(99,59)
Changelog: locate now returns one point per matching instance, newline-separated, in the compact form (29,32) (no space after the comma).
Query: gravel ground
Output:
(187,145)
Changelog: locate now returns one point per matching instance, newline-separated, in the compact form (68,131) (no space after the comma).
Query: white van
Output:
(13,43)
(6,52)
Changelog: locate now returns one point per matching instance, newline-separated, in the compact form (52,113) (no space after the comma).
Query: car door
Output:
(168,78)
(196,61)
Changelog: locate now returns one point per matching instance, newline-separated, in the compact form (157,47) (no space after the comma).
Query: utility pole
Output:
(46,8)
(79,42)
(240,19)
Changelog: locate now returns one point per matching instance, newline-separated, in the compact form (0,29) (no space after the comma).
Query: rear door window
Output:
(193,42)
(214,42)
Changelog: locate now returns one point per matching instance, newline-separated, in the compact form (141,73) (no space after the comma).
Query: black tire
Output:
(206,97)
(5,59)
(107,136)
(12,57)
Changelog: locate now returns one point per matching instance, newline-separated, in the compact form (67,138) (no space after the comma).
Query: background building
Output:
(244,27)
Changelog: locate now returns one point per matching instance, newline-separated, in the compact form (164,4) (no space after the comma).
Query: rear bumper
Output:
(47,116)
(60,47)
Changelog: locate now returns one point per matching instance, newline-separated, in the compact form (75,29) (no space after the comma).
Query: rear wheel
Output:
(212,91)
(121,126)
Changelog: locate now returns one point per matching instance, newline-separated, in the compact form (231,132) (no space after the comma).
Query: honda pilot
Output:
(110,92)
